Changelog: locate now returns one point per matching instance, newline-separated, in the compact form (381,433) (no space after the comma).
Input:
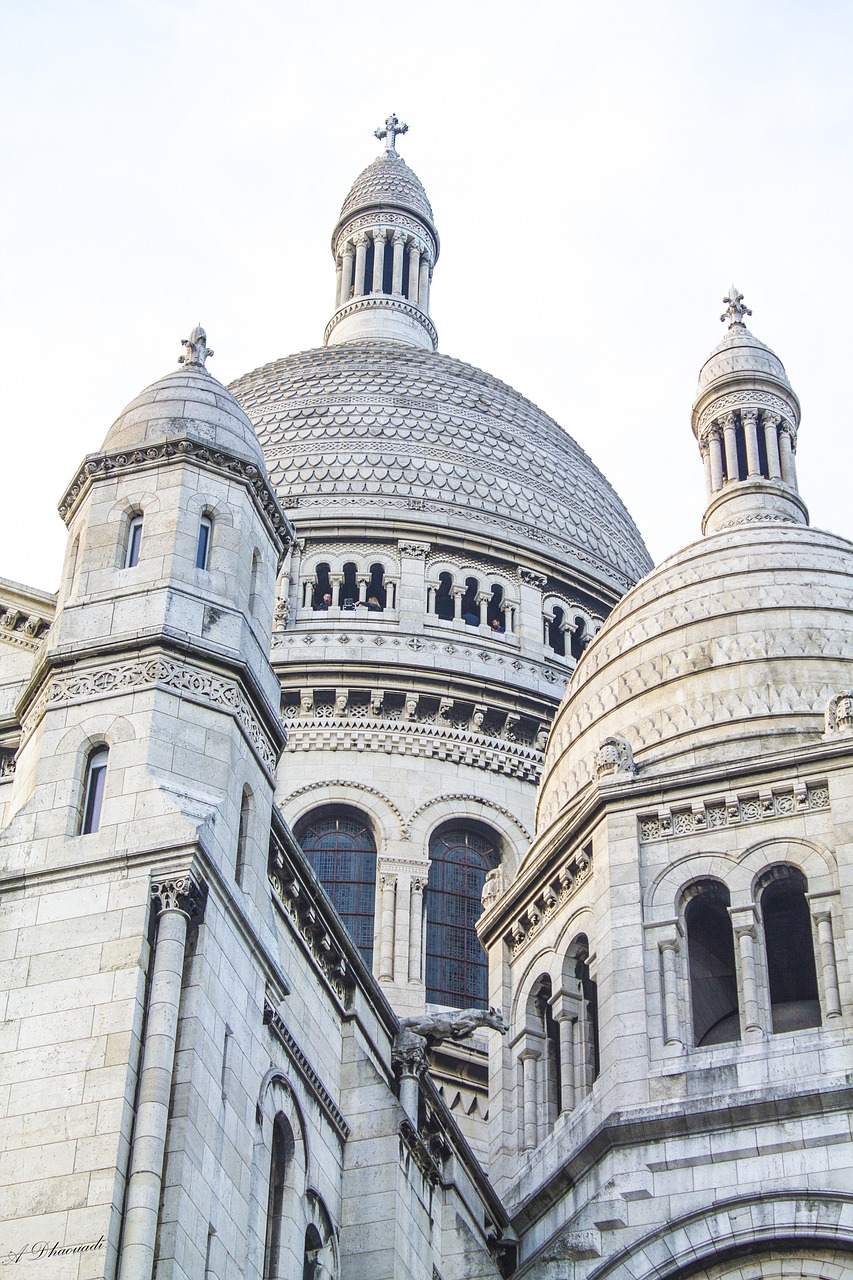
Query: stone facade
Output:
(203,1074)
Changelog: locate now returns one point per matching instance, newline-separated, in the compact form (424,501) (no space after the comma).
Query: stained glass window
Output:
(456,967)
(343,854)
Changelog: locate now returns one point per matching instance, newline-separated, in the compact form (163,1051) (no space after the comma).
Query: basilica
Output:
(400,876)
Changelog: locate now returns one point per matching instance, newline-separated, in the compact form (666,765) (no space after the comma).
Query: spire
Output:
(385,246)
(745,419)
(389,133)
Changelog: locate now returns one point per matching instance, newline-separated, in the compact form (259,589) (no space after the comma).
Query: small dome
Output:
(733,645)
(740,357)
(188,402)
(388,180)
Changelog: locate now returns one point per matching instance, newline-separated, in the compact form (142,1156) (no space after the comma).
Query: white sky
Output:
(600,173)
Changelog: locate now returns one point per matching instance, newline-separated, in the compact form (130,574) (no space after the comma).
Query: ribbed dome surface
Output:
(384,430)
(186,402)
(731,647)
(740,353)
(388,180)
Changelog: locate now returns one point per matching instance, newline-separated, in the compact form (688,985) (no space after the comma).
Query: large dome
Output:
(732,646)
(381,430)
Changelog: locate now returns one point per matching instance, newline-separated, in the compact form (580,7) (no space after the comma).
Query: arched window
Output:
(202,551)
(470,608)
(321,596)
(93,792)
(376,586)
(556,634)
(313,1246)
(711,956)
(275,1260)
(342,851)
(134,542)
(445,604)
(243,835)
(456,969)
(348,591)
(589,1048)
(789,948)
(542,994)
(495,613)
(578,639)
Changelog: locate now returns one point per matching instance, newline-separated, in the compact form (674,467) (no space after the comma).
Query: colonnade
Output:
(541,1100)
(720,449)
(411,269)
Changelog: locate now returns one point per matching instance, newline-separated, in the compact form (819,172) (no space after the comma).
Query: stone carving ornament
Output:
(615,759)
(838,716)
(419,1034)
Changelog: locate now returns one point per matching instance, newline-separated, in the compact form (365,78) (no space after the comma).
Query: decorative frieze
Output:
(200,685)
(298,896)
(733,810)
(574,872)
(277,1025)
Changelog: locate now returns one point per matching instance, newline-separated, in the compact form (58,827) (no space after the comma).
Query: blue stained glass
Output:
(456,968)
(343,854)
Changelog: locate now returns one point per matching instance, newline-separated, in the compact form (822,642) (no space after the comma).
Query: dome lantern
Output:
(745,419)
(385,247)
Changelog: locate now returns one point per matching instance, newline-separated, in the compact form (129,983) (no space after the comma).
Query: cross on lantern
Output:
(389,133)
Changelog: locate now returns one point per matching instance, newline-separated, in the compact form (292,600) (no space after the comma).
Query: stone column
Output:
(729,426)
(749,418)
(583,1047)
(360,262)
(416,928)
(456,594)
(423,283)
(770,422)
(414,266)
(483,598)
(362,590)
(743,926)
(339,271)
(669,975)
(431,588)
(715,447)
(399,242)
(530,1095)
(346,273)
(706,459)
(388,886)
(786,452)
(379,239)
(822,916)
(566,1027)
(410,1060)
(176,901)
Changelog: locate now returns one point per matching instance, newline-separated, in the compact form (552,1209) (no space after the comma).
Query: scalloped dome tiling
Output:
(381,430)
(388,180)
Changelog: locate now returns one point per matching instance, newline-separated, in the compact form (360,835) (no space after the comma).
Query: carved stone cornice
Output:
(180,449)
(751,398)
(527,923)
(712,812)
(181,892)
(21,628)
(277,1025)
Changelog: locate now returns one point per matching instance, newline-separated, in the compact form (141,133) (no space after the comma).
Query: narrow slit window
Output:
(134,542)
(202,554)
(93,797)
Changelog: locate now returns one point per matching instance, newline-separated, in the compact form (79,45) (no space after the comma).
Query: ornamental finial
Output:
(735,311)
(197,349)
(389,133)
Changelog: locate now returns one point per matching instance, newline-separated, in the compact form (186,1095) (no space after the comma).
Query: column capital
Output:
(379,233)
(728,421)
(749,415)
(362,239)
(348,250)
(398,237)
(182,892)
(769,418)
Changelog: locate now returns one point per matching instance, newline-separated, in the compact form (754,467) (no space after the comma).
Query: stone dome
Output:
(733,645)
(740,356)
(382,430)
(388,180)
(187,402)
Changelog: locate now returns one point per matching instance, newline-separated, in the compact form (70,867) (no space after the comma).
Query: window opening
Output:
(282,1153)
(456,966)
(578,638)
(243,836)
(711,956)
(763,464)
(589,991)
(93,798)
(376,592)
(495,613)
(342,852)
(789,947)
(203,548)
(348,590)
(388,268)
(445,604)
(556,634)
(740,440)
(368,266)
(553,1084)
(134,542)
(313,1246)
(469,608)
(321,597)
